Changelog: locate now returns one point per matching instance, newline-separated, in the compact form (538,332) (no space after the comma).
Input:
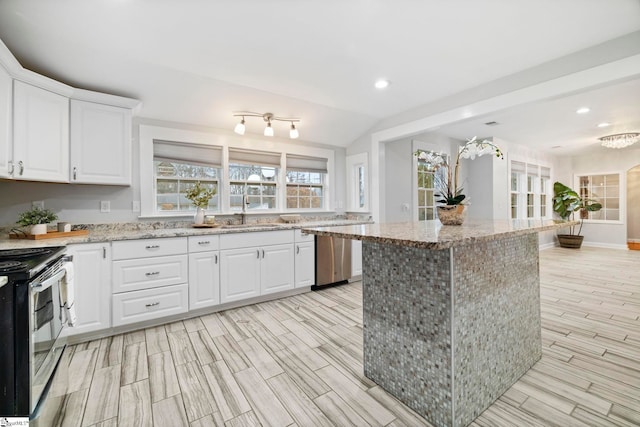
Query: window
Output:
(305,182)
(357,194)
(605,189)
(529,191)
(253,174)
(426,193)
(177,167)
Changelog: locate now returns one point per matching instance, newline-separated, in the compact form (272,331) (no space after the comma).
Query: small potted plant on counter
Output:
(565,203)
(200,197)
(37,219)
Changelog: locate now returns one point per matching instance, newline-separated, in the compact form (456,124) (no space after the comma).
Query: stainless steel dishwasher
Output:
(333,261)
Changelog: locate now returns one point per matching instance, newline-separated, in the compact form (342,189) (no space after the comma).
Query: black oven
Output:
(31,327)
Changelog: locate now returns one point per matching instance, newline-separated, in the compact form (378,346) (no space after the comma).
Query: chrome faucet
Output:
(245,203)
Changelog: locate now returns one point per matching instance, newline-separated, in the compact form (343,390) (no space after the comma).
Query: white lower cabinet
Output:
(305,264)
(149,304)
(92,286)
(239,274)
(305,259)
(146,273)
(249,268)
(150,279)
(276,269)
(204,279)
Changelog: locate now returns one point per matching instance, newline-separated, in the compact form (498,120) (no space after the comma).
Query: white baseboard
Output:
(547,246)
(605,245)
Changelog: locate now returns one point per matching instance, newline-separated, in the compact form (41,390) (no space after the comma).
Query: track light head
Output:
(239,129)
(293,132)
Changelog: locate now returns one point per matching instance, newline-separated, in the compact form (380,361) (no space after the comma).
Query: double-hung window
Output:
(253,177)
(305,182)
(177,167)
(530,188)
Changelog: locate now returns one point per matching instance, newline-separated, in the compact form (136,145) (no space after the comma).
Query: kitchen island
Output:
(451,313)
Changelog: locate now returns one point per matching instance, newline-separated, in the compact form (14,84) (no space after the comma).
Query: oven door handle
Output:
(47,283)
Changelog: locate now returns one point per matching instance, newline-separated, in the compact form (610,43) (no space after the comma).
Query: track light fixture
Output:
(268,118)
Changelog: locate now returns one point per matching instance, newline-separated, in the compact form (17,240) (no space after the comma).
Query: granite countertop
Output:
(131,231)
(434,235)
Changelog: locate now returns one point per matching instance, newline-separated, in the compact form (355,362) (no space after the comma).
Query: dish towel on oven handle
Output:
(67,294)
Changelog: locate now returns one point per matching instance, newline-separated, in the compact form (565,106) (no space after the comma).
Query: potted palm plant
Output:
(566,203)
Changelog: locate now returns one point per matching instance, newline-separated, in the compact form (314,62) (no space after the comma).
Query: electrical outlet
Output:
(135,206)
(105,206)
(37,204)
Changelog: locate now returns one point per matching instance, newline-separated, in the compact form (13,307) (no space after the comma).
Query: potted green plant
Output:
(200,197)
(449,190)
(566,203)
(38,219)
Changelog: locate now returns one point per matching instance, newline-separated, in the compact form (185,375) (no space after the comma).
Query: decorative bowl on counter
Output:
(290,218)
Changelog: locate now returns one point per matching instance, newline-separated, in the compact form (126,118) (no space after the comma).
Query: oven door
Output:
(47,341)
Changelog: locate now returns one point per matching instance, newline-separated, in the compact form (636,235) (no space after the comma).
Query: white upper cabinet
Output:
(40,134)
(6,105)
(100,144)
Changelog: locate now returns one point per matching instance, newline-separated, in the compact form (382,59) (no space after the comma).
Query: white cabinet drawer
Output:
(147,273)
(144,248)
(138,306)
(258,238)
(204,243)
(303,237)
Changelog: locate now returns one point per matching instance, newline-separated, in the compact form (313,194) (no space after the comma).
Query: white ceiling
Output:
(554,125)
(197,61)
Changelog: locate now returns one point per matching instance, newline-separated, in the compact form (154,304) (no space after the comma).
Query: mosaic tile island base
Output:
(451,313)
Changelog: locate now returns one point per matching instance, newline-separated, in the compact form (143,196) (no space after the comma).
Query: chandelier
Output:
(268,118)
(620,140)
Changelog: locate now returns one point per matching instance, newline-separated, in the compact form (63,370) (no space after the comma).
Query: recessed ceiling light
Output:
(603,125)
(583,110)
(381,84)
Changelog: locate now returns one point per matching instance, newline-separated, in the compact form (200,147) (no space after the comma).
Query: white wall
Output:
(398,181)
(605,161)
(633,202)
(81,203)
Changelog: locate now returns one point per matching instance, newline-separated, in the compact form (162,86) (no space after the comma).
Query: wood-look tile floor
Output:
(298,362)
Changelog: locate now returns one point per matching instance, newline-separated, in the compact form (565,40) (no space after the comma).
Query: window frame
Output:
(217,182)
(227,140)
(524,192)
(621,199)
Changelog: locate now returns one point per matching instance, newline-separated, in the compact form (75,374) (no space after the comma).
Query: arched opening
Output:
(633,213)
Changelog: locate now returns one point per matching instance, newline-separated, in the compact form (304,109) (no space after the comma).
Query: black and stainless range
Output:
(31,325)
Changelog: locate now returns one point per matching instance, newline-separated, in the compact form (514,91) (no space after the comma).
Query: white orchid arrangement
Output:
(447,185)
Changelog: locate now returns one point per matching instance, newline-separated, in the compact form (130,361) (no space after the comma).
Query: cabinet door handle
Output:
(152,273)
(216,261)
(21,164)
(75,173)
(204,242)
(11,167)
(263,254)
(298,249)
(153,304)
(104,252)
(152,247)
(258,252)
